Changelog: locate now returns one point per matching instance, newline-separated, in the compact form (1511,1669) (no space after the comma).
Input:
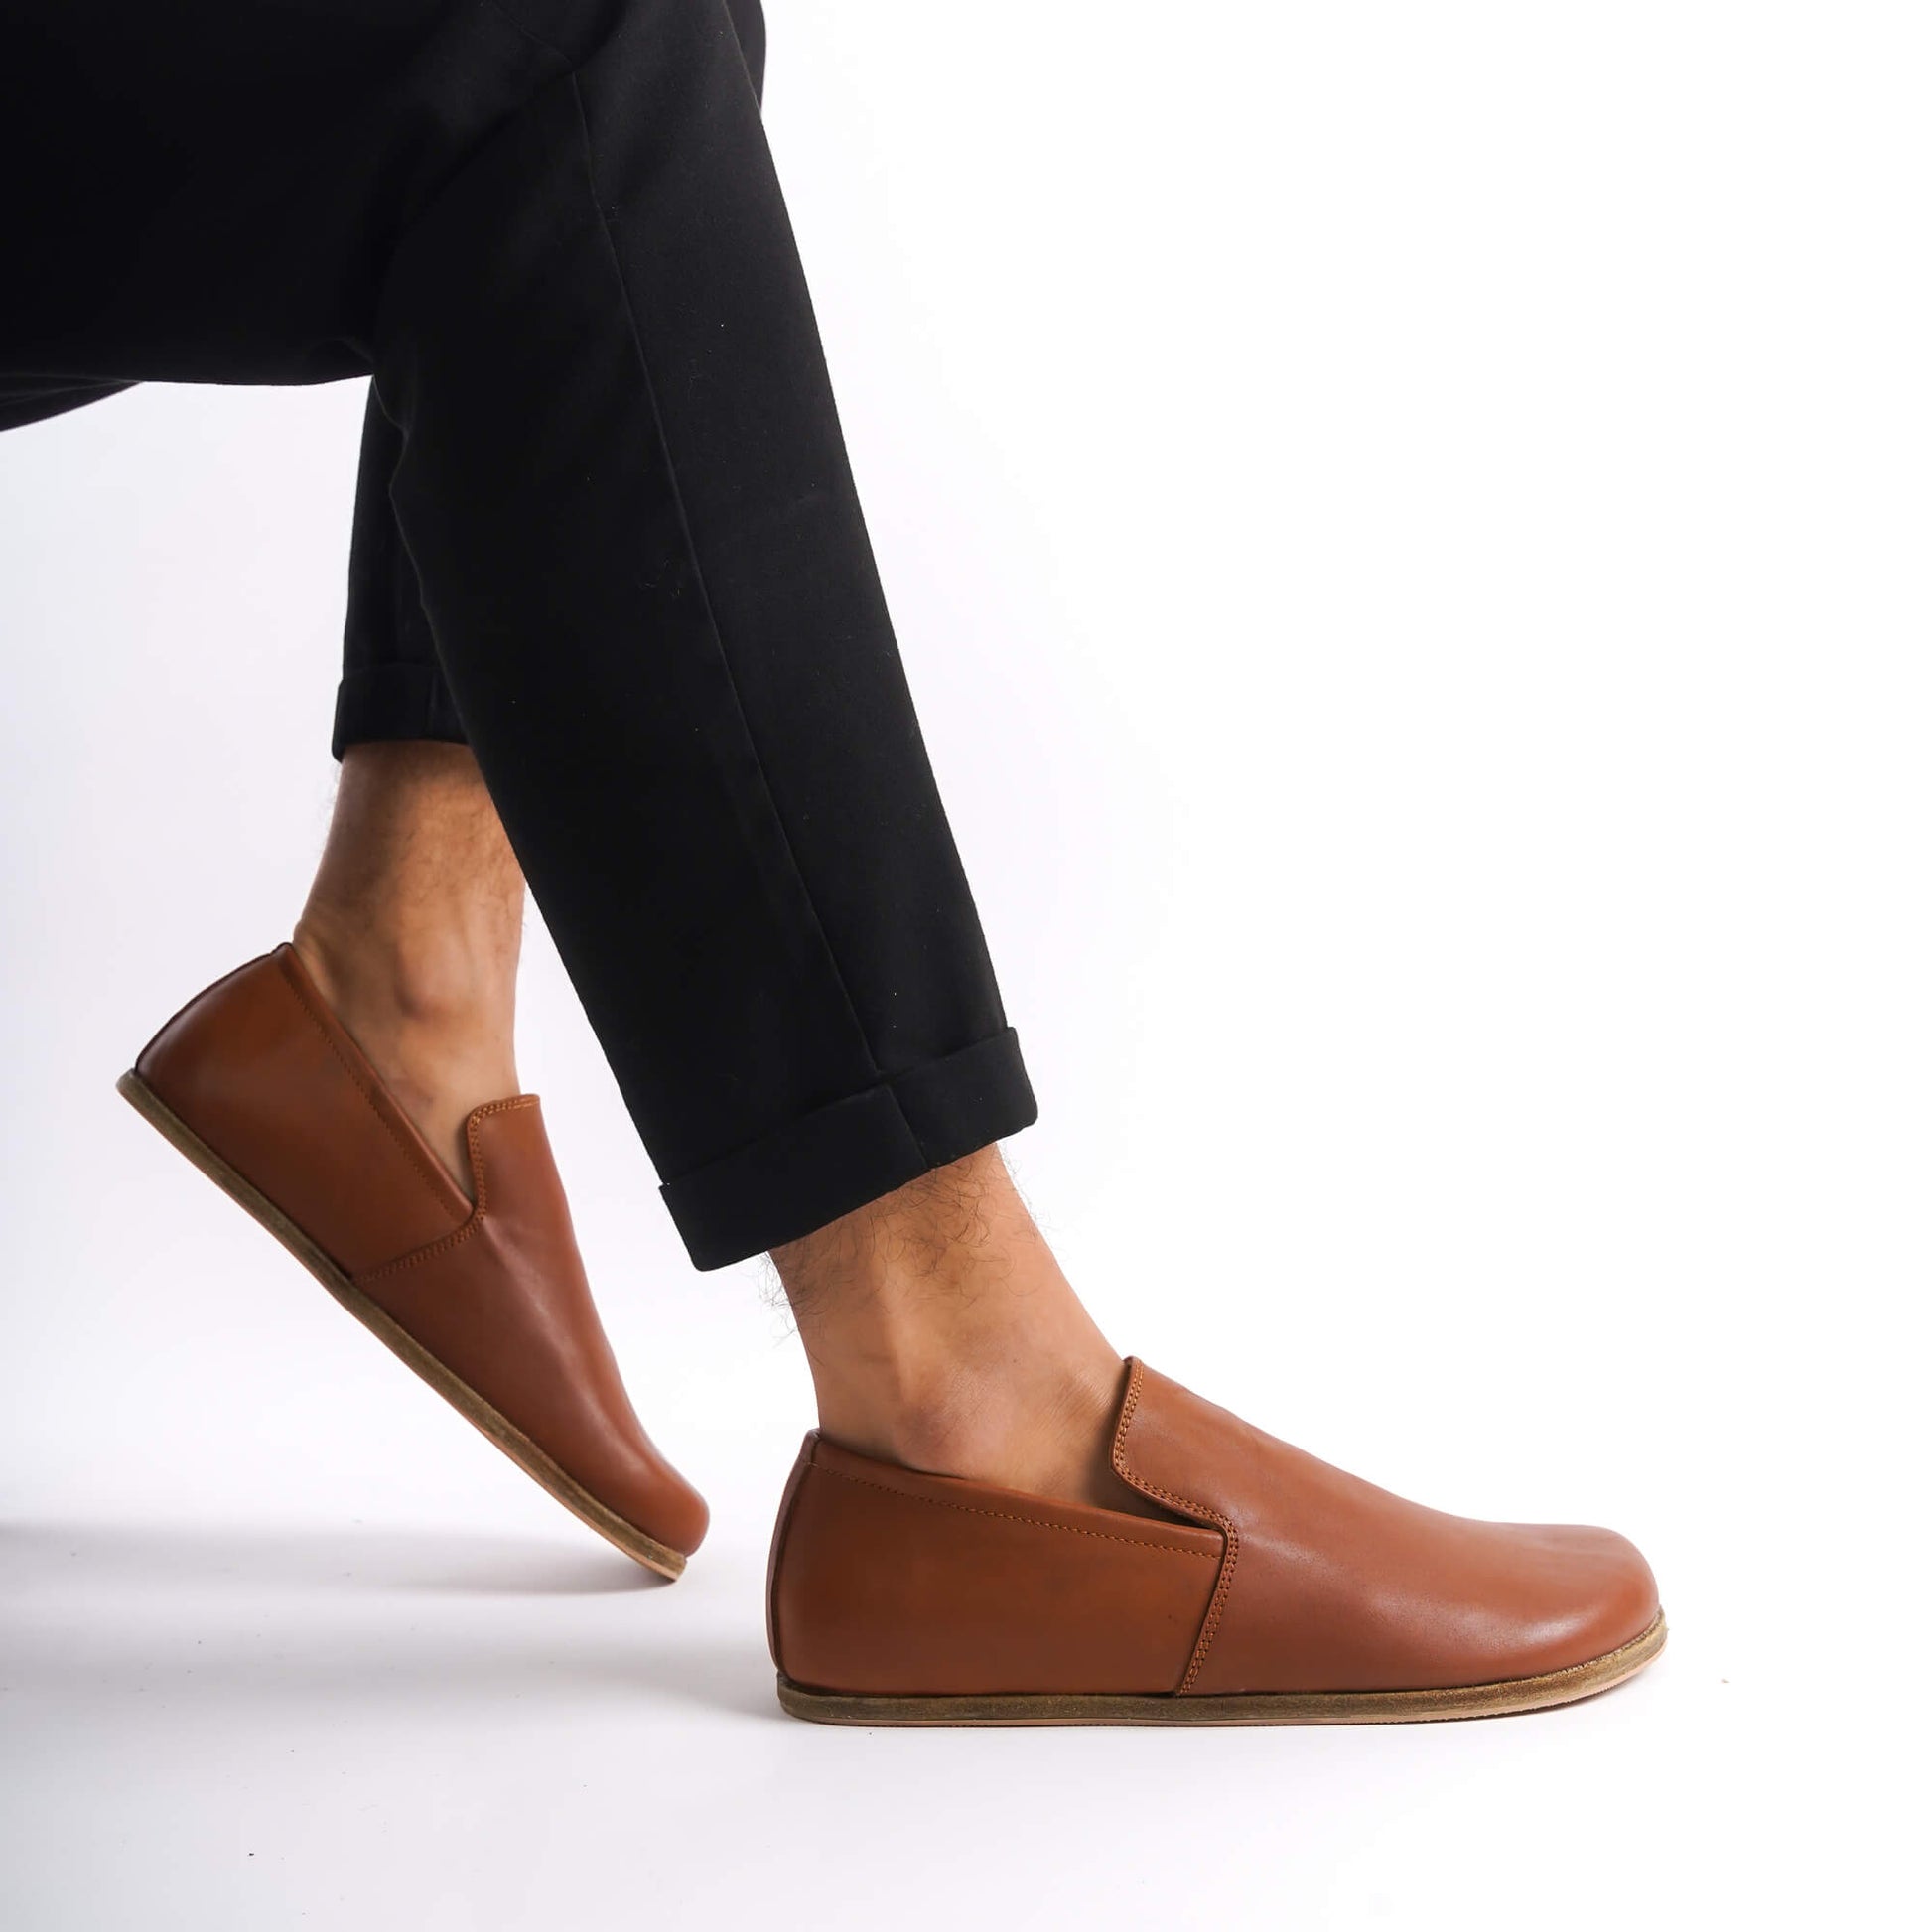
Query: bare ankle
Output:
(416,978)
(943,1335)
(412,932)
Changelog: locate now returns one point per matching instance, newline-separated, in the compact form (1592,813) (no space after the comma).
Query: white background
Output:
(1409,529)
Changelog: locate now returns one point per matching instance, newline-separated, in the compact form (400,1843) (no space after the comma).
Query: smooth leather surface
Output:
(262,1071)
(886,1582)
(1330,1583)
(1290,1577)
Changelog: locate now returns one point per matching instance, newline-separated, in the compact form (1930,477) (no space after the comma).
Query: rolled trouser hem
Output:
(390,701)
(839,1156)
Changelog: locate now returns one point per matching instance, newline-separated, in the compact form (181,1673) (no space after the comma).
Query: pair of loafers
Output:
(1271,1588)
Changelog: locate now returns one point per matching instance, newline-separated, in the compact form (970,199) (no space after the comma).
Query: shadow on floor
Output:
(355,1557)
(199,1618)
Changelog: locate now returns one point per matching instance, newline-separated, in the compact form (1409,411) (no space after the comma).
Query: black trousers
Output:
(607,530)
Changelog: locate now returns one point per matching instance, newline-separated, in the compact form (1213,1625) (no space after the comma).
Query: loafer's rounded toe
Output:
(1597,1595)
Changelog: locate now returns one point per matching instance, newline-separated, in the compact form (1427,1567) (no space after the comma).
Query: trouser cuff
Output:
(813,1169)
(386,701)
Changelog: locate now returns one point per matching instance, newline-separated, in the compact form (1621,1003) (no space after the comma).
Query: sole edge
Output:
(1502,1698)
(473,1408)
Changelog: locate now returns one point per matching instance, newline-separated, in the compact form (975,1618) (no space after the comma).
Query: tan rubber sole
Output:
(520,1449)
(1252,1707)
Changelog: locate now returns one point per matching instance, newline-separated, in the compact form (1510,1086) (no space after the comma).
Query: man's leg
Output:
(940,1331)
(943,1335)
(412,931)
(623,492)
(28,399)
(627,500)
(392,685)
(413,925)
(627,503)
(555,232)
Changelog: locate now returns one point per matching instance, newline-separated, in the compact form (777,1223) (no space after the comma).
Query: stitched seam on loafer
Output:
(1188,1507)
(476,1221)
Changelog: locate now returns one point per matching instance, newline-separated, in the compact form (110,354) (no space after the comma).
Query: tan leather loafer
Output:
(259,1084)
(1280,1590)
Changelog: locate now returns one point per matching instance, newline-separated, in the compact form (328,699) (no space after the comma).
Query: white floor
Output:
(285,1644)
(219,1723)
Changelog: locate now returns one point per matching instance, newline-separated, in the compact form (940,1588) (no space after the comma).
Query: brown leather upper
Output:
(1288,1576)
(886,1581)
(262,1069)
(1346,1587)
